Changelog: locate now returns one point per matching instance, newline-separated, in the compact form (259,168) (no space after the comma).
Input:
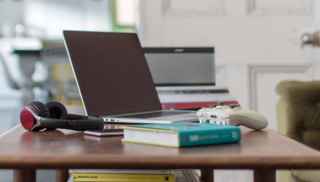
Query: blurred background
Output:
(33,58)
(258,43)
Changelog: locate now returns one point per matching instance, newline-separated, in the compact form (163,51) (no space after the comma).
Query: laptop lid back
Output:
(111,73)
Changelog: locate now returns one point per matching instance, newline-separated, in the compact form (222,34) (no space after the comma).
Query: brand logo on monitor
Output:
(179,50)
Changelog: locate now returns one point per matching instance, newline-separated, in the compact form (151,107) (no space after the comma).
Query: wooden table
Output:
(264,152)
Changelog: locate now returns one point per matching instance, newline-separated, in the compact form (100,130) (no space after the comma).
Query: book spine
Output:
(209,137)
(89,177)
(118,180)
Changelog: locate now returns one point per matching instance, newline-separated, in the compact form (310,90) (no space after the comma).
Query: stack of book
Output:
(133,176)
(182,134)
(195,99)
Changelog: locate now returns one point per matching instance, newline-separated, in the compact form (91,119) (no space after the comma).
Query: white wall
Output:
(240,35)
(53,16)
(11,13)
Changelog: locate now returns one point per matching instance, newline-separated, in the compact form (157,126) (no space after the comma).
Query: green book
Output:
(182,134)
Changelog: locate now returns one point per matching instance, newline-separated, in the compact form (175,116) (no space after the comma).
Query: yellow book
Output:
(117,180)
(113,177)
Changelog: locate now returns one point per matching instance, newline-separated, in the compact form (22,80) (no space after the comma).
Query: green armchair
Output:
(298,112)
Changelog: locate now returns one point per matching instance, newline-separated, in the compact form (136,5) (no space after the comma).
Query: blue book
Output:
(182,134)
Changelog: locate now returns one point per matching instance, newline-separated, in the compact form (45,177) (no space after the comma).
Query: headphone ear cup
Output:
(29,112)
(38,108)
(56,110)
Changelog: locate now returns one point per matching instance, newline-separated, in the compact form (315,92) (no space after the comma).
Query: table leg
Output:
(62,175)
(22,175)
(264,175)
(207,175)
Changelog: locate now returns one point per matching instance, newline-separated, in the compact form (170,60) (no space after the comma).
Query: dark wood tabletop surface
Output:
(65,149)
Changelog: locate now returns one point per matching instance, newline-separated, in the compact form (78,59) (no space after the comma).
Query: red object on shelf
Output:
(197,105)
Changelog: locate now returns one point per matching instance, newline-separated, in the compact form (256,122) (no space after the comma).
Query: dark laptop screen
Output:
(111,72)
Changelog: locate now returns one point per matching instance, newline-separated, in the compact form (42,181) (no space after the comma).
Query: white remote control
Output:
(226,115)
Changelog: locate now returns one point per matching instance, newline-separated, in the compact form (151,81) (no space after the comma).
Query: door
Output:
(257,42)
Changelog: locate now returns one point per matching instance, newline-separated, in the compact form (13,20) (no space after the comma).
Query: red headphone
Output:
(37,116)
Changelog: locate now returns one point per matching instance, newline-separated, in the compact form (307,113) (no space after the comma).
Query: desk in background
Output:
(29,52)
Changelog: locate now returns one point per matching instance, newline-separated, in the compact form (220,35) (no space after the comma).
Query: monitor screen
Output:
(177,66)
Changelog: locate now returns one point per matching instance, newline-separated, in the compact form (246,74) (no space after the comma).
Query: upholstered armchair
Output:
(298,112)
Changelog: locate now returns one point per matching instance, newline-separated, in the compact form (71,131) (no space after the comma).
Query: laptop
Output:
(183,70)
(114,79)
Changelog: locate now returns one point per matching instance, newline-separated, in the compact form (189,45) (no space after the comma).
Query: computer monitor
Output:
(181,66)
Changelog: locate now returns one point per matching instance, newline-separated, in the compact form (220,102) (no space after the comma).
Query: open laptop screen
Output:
(178,66)
(111,73)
